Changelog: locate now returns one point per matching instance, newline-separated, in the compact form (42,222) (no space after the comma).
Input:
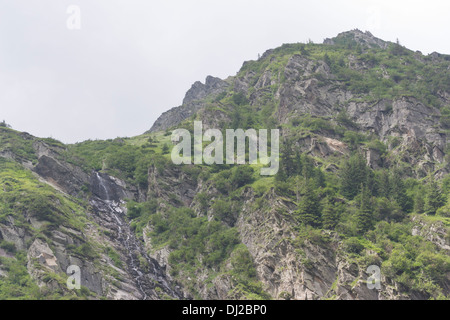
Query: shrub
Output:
(8,246)
(239,99)
(353,245)
(241,175)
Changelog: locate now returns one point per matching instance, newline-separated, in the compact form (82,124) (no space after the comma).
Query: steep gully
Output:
(147,277)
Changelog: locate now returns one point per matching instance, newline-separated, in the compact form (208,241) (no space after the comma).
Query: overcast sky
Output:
(131,60)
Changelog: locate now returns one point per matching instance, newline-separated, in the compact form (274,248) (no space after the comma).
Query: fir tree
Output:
(434,199)
(398,192)
(307,166)
(319,178)
(384,185)
(419,202)
(165,148)
(364,215)
(281,174)
(329,215)
(298,163)
(353,174)
(371,182)
(287,162)
(308,211)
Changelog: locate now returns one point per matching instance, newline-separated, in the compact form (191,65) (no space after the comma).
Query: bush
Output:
(193,237)
(239,99)
(353,245)
(133,210)
(8,246)
(242,263)
(378,146)
(222,209)
(241,175)
(114,256)
(344,119)
(354,138)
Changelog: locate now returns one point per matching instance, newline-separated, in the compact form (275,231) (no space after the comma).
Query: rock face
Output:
(192,102)
(212,87)
(64,176)
(107,187)
(143,274)
(306,270)
(171,185)
(434,232)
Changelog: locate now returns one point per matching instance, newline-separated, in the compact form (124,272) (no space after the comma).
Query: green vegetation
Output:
(16,143)
(23,196)
(127,158)
(18,284)
(197,242)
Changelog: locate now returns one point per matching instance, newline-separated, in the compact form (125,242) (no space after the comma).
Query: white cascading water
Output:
(132,247)
(102,184)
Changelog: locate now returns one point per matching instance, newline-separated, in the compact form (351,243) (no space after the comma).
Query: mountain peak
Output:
(355,37)
(199,90)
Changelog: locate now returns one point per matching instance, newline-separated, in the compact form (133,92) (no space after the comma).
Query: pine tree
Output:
(398,192)
(287,162)
(4,124)
(384,185)
(298,163)
(364,215)
(434,199)
(281,174)
(353,174)
(371,182)
(308,211)
(329,215)
(298,186)
(165,148)
(319,178)
(307,166)
(419,202)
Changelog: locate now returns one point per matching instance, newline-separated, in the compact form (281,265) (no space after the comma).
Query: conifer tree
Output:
(353,174)
(434,199)
(419,202)
(398,192)
(287,162)
(308,211)
(281,174)
(307,166)
(384,186)
(298,163)
(364,215)
(165,148)
(329,215)
(319,178)
(371,182)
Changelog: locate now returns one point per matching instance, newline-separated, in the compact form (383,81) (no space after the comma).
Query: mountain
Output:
(362,185)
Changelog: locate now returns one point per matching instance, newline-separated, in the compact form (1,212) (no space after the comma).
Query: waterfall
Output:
(102,184)
(111,214)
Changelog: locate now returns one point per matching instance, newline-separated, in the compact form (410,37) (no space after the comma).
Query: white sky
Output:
(134,59)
